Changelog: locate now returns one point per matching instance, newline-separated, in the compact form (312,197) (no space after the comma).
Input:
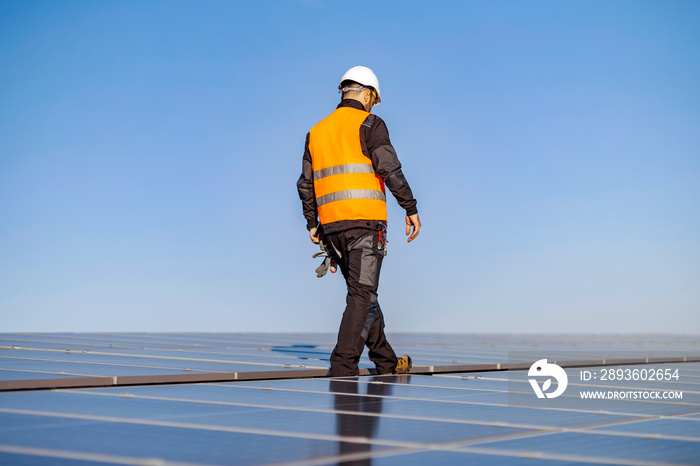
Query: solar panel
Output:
(277,413)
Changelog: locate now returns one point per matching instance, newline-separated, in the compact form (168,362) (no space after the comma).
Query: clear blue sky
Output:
(149,153)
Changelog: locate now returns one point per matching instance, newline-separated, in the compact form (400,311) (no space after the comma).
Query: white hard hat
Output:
(362,75)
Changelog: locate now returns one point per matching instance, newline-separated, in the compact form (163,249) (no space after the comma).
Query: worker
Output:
(348,160)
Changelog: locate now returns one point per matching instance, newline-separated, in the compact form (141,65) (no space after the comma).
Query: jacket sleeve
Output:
(386,163)
(305,187)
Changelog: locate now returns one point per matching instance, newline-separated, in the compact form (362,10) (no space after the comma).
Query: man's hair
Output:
(349,83)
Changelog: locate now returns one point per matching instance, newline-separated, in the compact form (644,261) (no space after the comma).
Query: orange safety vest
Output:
(345,184)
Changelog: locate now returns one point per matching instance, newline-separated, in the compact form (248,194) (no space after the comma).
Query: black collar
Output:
(351,103)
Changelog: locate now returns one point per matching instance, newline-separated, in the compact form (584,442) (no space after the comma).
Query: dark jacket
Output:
(376,146)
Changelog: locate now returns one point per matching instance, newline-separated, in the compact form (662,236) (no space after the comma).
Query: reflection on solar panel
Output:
(266,399)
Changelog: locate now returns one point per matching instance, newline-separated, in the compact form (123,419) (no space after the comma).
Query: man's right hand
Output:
(412,221)
(314,238)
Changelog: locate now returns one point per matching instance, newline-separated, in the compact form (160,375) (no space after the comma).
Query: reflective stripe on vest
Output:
(345,184)
(342,169)
(351,194)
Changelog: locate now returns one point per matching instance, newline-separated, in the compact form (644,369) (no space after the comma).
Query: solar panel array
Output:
(279,407)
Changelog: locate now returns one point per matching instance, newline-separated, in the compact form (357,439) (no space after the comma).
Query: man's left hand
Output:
(314,237)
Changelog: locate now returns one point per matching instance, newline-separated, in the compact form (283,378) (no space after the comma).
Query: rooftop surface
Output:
(130,398)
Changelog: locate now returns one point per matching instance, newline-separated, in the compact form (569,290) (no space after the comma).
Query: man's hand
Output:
(314,238)
(412,220)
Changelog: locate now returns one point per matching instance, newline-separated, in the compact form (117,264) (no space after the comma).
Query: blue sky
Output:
(149,153)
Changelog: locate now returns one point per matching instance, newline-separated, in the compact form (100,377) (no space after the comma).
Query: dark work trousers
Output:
(359,253)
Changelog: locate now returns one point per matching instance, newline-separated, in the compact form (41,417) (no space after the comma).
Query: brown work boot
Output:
(404,365)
